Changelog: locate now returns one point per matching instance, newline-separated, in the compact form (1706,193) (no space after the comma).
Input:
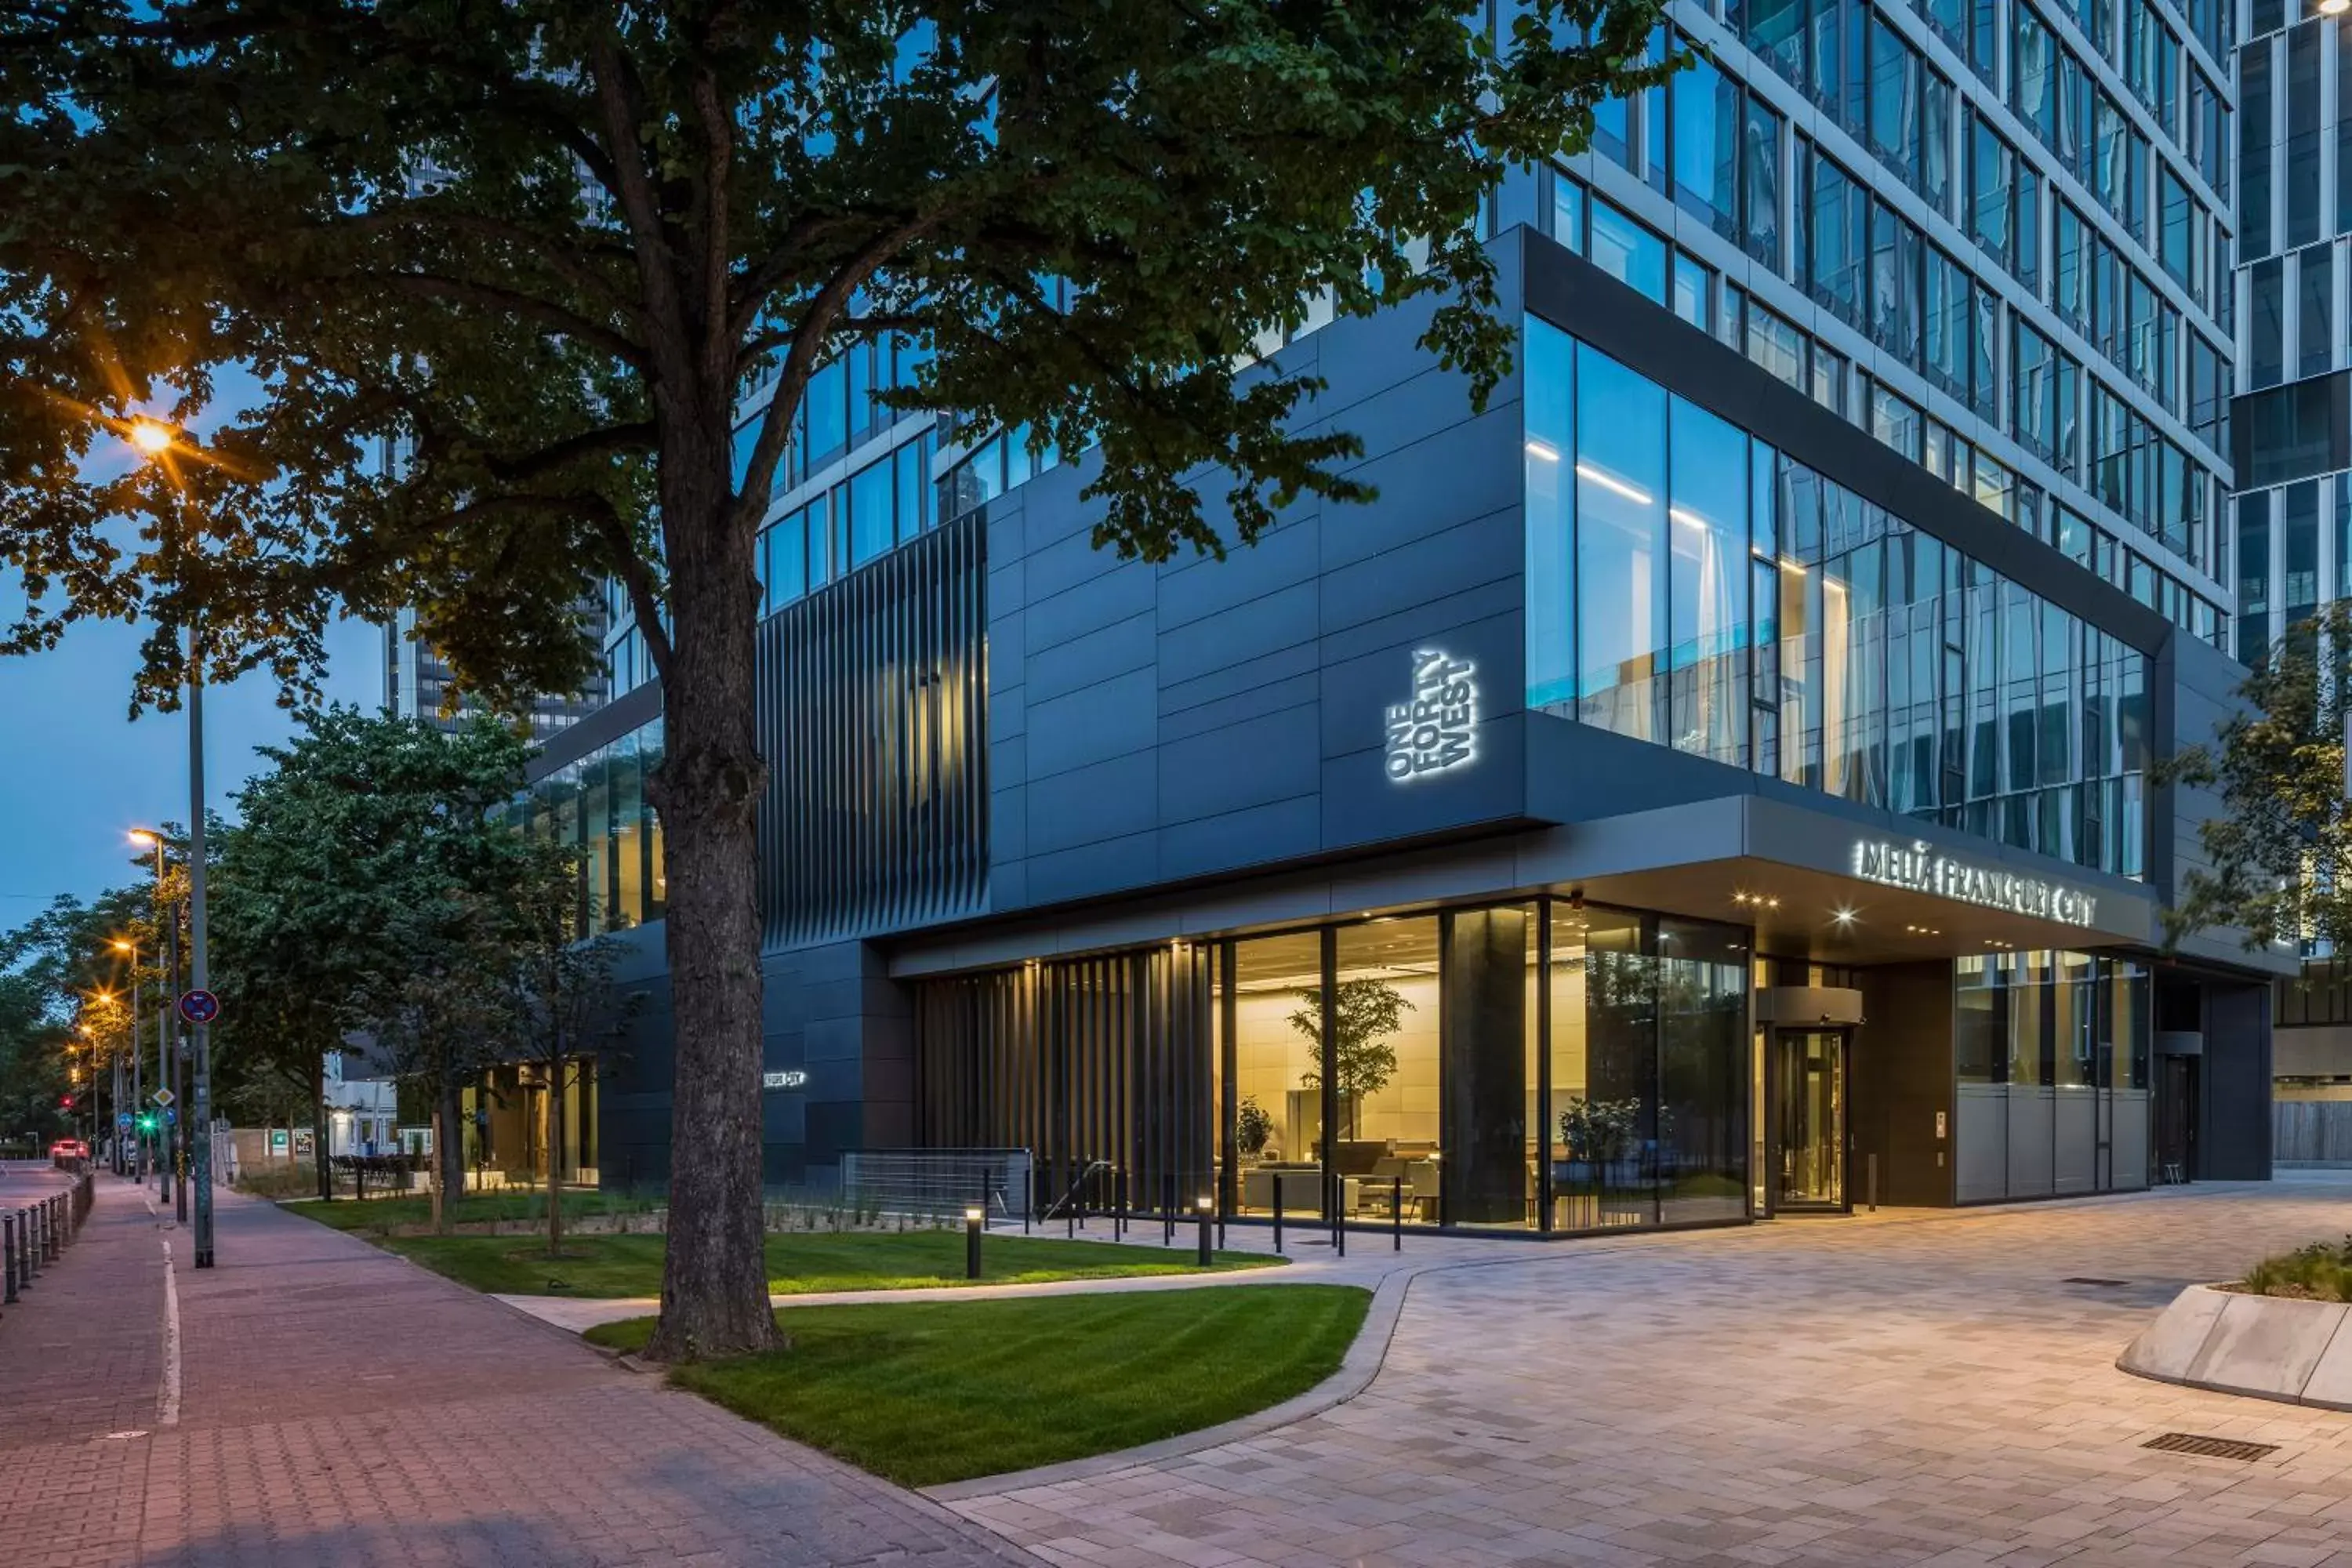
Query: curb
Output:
(1357,1370)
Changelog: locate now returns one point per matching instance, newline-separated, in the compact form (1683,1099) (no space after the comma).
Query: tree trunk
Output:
(706,789)
(440,1139)
(554,1138)
(449,1148)
(319,1126)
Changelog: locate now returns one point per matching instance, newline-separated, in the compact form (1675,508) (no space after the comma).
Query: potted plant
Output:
(1252,1128)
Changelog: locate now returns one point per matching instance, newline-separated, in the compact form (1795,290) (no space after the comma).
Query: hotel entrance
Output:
(1807,1080)
(1804,1112)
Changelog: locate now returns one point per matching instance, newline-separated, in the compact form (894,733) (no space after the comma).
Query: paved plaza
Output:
(1909,1388)
(1915,1389)
(330,1403)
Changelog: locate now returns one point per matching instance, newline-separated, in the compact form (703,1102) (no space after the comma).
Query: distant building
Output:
(417,681)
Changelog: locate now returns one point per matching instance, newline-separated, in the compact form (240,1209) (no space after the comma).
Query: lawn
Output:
(798,1263)
(383,1214)
(928,1392)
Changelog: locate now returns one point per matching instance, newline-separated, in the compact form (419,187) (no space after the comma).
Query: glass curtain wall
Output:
(1689,586)
(1527,1066)
(598,805)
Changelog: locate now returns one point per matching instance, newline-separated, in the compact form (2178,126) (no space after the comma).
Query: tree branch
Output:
(554,317)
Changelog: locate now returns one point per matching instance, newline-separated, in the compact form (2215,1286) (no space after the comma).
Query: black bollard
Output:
(1278,1213)
(1204,1207)
(1396,1215)
(974,1221)
(7,1257)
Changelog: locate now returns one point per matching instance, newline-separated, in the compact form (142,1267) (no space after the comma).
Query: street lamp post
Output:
(137,1087)
(158,440)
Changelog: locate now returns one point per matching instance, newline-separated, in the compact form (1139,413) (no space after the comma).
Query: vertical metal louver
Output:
(1102,1059)
(874,719)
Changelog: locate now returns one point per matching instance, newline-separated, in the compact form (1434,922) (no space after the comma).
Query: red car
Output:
(68,1149)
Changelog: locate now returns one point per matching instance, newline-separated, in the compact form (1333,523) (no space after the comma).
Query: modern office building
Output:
(2292,423)
(417,680)
(1711,783)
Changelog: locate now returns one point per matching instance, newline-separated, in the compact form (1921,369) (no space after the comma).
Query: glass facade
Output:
(598,805)
(2054,1053)
(1536,1065)
(1690,587)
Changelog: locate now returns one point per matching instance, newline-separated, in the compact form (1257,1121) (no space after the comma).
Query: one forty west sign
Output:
(1918,868)
(1436,728)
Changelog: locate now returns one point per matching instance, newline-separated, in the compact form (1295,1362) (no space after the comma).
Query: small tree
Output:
(2279,850)
(1365,1013)
(565,1003)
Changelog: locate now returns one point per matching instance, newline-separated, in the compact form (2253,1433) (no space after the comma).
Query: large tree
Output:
(543,247)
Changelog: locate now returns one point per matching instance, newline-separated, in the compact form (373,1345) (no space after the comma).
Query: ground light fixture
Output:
(1204,1207)
(975,1220)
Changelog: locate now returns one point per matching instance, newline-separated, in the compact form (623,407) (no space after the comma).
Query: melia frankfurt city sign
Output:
(1438,729)
(1919,868)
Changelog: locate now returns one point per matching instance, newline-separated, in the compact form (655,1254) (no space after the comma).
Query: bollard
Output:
(1396,1215)
(56,1228)
(25,1259)
(1278,1213)
(974,1221)
(1340,1225)
(1203,1208)
(7,1258)
(1168,1211)
(1873,1180)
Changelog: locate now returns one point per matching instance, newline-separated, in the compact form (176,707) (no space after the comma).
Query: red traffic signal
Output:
(65,1102)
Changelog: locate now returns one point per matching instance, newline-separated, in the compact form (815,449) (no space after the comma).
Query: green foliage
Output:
(1365,1013)
(2279,850)
(369,889)
(925,1393)
(2322,1272)
(542,246)
(1600,1128)
(1252,1126)
(804,1262)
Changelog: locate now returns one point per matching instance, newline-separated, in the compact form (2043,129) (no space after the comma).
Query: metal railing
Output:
(34,1234)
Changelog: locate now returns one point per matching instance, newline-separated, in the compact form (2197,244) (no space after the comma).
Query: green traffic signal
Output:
(146,1121)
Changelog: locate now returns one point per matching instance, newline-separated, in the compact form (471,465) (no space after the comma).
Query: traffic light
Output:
(65,1102)
(146,1121)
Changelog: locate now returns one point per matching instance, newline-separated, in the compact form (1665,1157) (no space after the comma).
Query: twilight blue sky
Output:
(82,775)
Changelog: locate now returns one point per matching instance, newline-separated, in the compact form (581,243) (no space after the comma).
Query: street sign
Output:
(199,1006)
(161,1097)
(123,1118)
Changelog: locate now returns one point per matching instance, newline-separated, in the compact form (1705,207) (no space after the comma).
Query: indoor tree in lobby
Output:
(540,251)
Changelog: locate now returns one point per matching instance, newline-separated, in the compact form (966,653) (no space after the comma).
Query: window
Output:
(1627,251)
(1760,182)
(1990,170)
(2315,302)
(1692,277)
(2034,402)
(1620,460)
(1707,588)
(1707,146)
(1895,109)
(2174,212)
(2292,432)
(1896,251)
(873,513)
(2266,338)
(2253,576)
(1777,345)
(2025,262)
(1834,241)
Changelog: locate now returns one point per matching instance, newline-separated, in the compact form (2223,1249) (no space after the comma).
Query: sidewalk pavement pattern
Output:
(328,1403)
(1923,1388)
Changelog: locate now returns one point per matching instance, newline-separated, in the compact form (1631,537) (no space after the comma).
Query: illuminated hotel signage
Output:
(1921,870)
(790,1077)
(1437,729)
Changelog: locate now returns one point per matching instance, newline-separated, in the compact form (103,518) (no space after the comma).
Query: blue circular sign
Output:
(199,1006)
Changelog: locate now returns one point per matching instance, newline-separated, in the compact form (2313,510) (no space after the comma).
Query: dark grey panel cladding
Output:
(2193,691)
(2233,1140)
(1092,1062)
(872,717)
(1158,723)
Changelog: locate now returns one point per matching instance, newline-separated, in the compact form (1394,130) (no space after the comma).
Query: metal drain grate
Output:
(2210,1447)
(2085,1280)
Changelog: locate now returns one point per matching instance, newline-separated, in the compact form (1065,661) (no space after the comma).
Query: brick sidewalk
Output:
(341,1406)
